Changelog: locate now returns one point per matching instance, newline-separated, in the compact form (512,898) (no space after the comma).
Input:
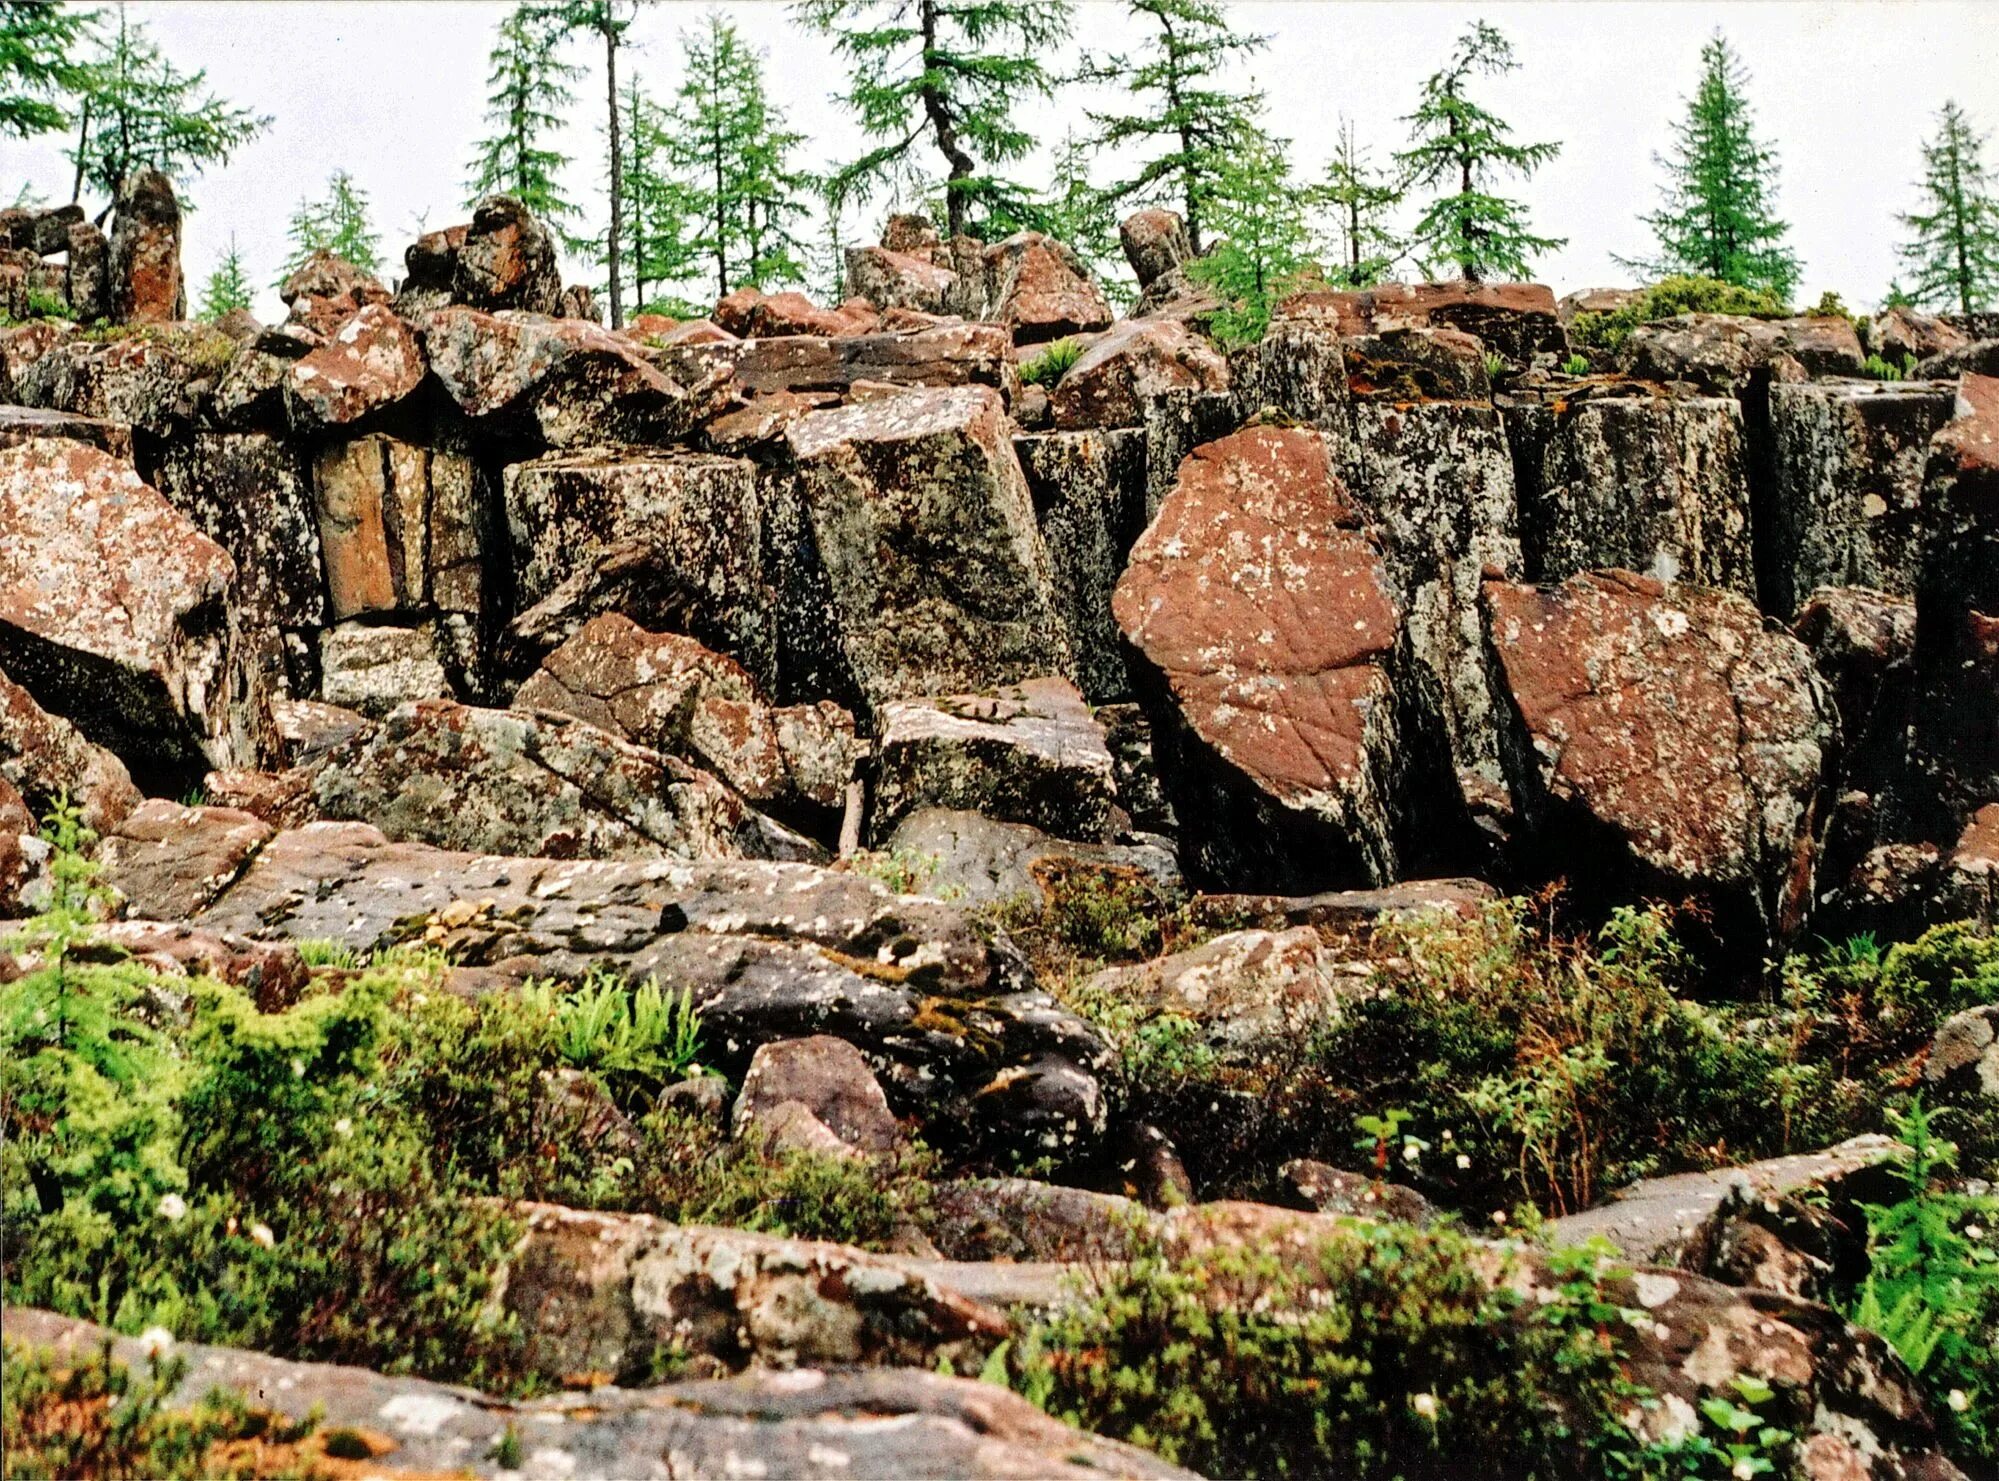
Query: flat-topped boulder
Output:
(943,355)
(1517,320)
(1129,364)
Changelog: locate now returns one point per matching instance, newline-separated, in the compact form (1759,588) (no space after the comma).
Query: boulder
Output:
(146,285)
(700,518)
(180,859)
(1971,872)
(1980,357)
(952,1023)
(506,781)
(1344,913)
(1253,995)
(826,1078)
(1136,360)
(1269,618)
(370,362)
(1863,642)
(25,423)
(574,382)
(325,291)
(308,729)
(1726,354)
(373,669)
(1596,301)
(44,757)
(1963,1062)
(1407,364)
(1022,1220)
(1029,753)
(1899,332)
(1040,290)
(891,279)
(936,572)
(156,381)
(25,885)
(942,355)
(88,273)
(1847,508)
(1662,741)
(1155,242)
(1351,1195)
(114,614)
(506,260)
(972,860)
(1516,320)
(1642,482)
(749,313)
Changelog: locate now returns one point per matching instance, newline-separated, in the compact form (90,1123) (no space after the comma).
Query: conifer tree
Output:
(337,224)
(1719,217)
(1458,145)
(138,112)
(1360,199)
(658,209)
(39,69)
(1264,240)
(1084,217)
(530,95)
(608,20)
(228,287)
(1952,252)
(954,69)
(1178,106)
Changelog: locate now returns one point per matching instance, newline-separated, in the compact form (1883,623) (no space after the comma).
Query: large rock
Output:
(1133,362)
(179,859)
(1847,511)
(25,423)
(824,1078)
(900,280)
(892,1424)
(325,291)
(373,668)
(370,362)
(88,284)
(1155,242)
(156,381)
(1641,482)
(943,355)
(506,260)
(1726,354)
(114,614)
(1269,618)
(1030,753)
(1863,643)
(1040,290)
(146,285)
(1516,320)
(701,519)
(1663,741)
(937,575)
(750,313)
(44,757)
(1896,334)
(500,781)
(951,1022)
(972,860)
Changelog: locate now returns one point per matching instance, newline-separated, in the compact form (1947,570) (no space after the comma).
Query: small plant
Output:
(507,1450)
(325,952)
(1881,370)
(1576,365)
(1829,306)
(901,871)
(608,1026)
(42,304)
(1496,365)
(1738,1442)
(1048,367)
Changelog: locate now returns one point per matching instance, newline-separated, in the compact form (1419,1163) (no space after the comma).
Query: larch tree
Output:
(1719,218)
(1952,250)
(657,209)
(139,112)
(39,70)
(1463,150)
(1359,199)
(1085,217)
(608,21)
(337,224)
(951,70)
(227,288)
(530,96)
(1179,113)
(1264,243)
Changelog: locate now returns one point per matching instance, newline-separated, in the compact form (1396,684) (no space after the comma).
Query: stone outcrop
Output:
(1089,495)
(1516,320)
(145,277)
(972,860)
(1155,243)
(1040,290)
(1269,618)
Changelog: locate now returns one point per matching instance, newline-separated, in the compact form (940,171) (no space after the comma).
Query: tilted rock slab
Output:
(954,1025)
(1665,739)
(938,576)
(370,362)
(43,756)
(114,614)
(1270,618)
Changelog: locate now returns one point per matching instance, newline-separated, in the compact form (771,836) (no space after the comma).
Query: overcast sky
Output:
(1846,89)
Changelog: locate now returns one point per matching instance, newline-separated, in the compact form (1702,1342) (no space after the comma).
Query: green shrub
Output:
(1496,365)
(1675,295)
(1384,1351)
(1576,365)
(638,1039)
(1048,367)
(1830,306)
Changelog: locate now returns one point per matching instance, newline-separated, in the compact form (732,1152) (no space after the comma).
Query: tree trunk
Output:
(938,109)
(1466,261)
(1192,197)
(82,153)
(617,170)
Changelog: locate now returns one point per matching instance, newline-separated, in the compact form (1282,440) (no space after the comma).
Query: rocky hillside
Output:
(1303,908)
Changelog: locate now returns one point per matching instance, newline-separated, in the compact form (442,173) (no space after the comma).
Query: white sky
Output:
(394,93)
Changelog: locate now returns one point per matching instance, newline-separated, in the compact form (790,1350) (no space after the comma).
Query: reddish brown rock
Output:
(1134,361)
(1897,333)
(146,285)
(1155,243)
(324,292)
(1269,616)
(889,279)
(44,757)
(1667,743)
(945,355)
(369,362)
(829,1079)
(281,798)
(178,859)
(1516,320)
(750,314)
(1040,290)
(506,260)
(25,423)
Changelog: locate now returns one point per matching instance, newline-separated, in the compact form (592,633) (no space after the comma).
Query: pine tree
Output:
(1719,218)
(1360,198)
(734,156)
(38,66)
(338,225)
(1178,103)
(608,20)
(658,210)
(1456,143)
(1953,248)
(530,94)
(228,287)
(140,112)
(1264,241)
(953,68)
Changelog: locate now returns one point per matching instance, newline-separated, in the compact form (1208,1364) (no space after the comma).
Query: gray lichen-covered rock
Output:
(1267,618)
(972,860)
(510,782)
(1663,739)
(373,668)
(936,570)
(1030,753)
(1847,511)
(1089,494)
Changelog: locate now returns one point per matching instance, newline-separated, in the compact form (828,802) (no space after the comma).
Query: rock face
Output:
(770,951)
(1089,495)
(1268,617)
(1040,290)
(43,757)
(325,291)
(146,286)
(1850,459)
(937,576)
(178,859)
(113,613)
(369,362)
(501,782)
(375,668)
(1029,753)
(1665,737)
